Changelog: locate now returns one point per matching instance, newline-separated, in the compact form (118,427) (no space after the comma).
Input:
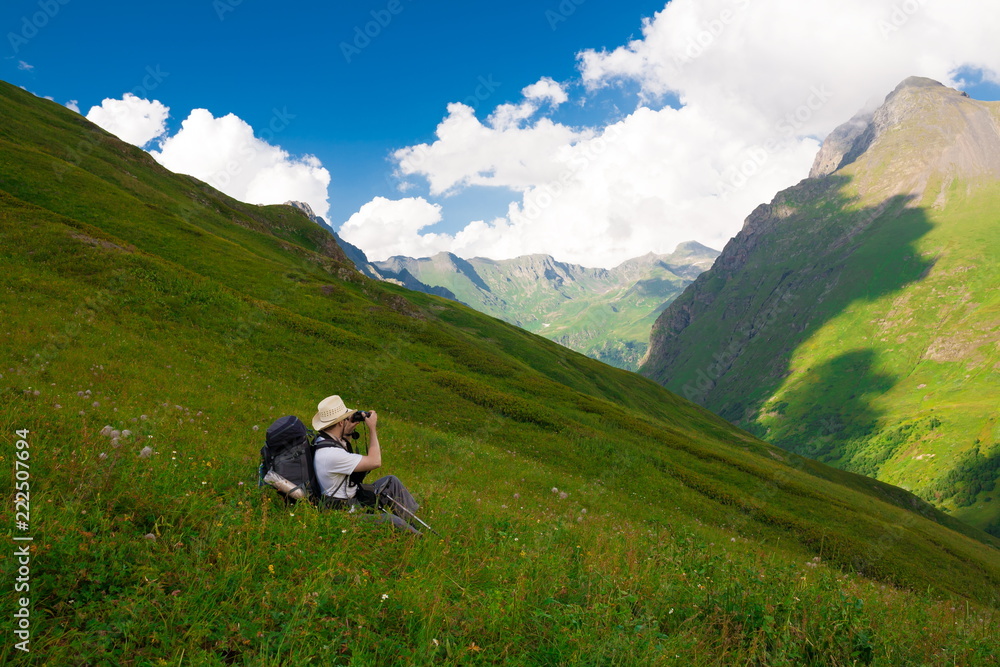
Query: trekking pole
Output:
(406,509)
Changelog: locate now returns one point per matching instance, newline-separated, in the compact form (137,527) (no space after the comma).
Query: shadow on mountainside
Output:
(799,263)
(826,411)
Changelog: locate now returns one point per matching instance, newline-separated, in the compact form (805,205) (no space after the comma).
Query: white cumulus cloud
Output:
(503,154)
(131,119)
(225,153)
(509,116)
(759,85)
(544,89)
(386,227)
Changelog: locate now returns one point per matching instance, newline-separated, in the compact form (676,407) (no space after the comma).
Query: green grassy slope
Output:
(862,327)
(590,516)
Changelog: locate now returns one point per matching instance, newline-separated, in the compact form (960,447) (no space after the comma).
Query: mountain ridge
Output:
(604,313)
(858,293)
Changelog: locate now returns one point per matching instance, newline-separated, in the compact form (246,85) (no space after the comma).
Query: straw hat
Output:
(330,411)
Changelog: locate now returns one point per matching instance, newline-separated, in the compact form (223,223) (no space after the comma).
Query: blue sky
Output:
(591,130)
(251,57)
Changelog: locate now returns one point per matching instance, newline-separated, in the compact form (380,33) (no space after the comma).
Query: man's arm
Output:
(373,459)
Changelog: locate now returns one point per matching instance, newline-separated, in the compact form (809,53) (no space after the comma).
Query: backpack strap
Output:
(323,441)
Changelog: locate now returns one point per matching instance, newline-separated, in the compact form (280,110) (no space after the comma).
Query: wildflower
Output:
(240,484)
(96,404)
(436,642)
(143,417)
(270,568)
(102,456)
(516,496)
(555,490)
(106,431)
(150,536)
(732,539)
(256,428)
(116,433)
(126,433)
(385,596)
(583,510)
(79,393)
(563,495)
(671,611)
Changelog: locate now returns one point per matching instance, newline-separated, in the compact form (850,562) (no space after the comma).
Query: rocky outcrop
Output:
(353,253)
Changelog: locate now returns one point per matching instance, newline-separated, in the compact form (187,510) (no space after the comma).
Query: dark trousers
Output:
(389,499)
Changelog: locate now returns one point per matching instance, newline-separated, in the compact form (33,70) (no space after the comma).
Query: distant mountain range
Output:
(856,318)
(606,314)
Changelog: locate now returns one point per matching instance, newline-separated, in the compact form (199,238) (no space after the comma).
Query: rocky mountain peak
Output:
(950,131)
(307,209)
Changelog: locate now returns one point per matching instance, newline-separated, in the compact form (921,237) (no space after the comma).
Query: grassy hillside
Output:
(856,319)
(589,516)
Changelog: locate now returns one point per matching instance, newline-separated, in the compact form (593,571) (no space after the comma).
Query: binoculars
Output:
(360,415)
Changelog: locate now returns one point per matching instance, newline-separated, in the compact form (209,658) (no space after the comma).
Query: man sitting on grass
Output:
(340,471)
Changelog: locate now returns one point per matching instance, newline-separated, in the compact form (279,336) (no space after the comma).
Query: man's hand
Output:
(373,459)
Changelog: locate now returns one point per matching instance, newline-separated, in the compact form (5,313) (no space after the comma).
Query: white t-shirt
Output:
(333,465)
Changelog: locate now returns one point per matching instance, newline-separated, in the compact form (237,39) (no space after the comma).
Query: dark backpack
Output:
(288,452)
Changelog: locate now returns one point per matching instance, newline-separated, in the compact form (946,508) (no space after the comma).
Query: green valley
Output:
(606,314)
